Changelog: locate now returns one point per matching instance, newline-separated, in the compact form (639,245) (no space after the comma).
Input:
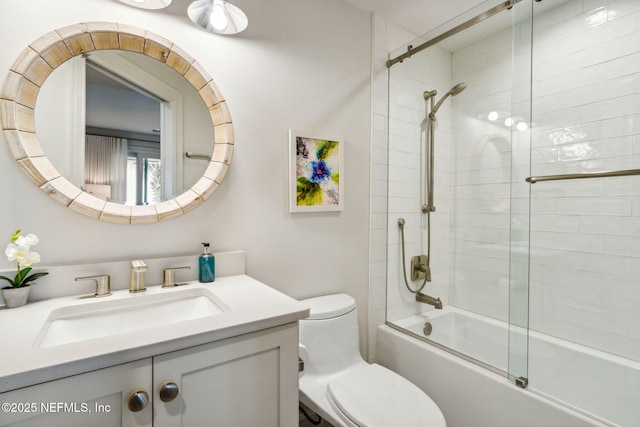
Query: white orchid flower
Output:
(16,252)
(26,241)
(10,251)
(19,250)
(30,259)
(20,241)
(31,239)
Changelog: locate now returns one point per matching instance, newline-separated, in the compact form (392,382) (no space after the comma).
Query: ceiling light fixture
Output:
(217,16)
(147,4)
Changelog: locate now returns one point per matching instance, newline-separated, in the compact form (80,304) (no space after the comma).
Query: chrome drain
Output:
(427,328)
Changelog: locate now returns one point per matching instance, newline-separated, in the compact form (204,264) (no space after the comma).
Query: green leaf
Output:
(33,277)
(326,149)
(308,193)
(8,280)
(22,274)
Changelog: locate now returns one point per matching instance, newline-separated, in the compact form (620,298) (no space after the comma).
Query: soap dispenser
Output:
(207,265)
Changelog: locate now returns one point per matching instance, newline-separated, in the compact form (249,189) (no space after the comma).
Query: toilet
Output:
(343,388)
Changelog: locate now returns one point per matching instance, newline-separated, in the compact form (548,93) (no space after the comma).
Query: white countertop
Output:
(252,306)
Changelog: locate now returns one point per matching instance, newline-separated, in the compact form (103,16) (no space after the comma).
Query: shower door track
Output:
(471,22)
(627,172)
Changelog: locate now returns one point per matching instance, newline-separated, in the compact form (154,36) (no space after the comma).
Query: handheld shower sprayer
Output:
(453,92)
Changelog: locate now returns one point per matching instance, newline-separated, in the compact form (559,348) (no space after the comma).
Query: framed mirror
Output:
(102,44)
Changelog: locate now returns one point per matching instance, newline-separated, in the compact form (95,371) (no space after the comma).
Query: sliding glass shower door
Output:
(585,219)
(481,215)
(535,242)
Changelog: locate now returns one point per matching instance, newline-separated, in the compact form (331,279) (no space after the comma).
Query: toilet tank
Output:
(329,336)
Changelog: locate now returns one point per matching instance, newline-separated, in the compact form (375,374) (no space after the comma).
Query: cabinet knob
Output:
(138,400)
(168,391)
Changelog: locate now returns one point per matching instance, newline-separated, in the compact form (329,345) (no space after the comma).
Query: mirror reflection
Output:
(118,125)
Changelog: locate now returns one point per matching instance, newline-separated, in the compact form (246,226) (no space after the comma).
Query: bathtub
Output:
(569,384)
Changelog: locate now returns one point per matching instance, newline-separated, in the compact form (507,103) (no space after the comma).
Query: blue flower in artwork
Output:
(319,171)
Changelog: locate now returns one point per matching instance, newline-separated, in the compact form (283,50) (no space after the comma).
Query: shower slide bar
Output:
(628,172)
(471,22)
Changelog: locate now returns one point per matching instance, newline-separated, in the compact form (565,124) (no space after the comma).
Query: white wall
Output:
(301,64)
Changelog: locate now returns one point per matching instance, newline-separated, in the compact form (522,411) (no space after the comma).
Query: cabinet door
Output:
(246,381)
(96,399)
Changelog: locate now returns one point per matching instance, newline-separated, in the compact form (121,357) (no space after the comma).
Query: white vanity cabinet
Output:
(247,380)
(96,399)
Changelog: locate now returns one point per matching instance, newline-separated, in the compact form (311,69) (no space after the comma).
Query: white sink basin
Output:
(103,318)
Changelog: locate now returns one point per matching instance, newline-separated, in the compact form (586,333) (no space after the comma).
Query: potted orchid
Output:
(19,250)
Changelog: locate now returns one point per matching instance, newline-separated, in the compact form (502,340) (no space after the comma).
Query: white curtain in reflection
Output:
(106,164)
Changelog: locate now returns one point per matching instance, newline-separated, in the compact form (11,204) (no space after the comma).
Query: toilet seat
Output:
(374,396)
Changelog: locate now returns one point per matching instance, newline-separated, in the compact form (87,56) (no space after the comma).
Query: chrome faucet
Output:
(427,299)
(138,268)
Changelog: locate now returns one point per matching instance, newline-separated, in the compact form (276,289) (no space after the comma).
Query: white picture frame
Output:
(316,179)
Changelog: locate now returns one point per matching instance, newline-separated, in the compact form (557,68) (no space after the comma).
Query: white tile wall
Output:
(407,128)
(481,152)
(585,235)
(585,73)
(386,38)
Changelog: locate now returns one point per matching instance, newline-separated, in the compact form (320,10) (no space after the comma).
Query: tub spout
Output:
(427,299)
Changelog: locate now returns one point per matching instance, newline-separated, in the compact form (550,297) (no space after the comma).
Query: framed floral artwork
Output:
(315,172)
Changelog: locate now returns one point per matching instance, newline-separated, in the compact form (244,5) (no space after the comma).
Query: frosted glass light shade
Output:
(148,4)
(217,16)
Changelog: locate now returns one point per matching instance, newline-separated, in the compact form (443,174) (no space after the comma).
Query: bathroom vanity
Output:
(231,361)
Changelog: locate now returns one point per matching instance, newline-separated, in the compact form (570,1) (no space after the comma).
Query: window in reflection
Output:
(144,174)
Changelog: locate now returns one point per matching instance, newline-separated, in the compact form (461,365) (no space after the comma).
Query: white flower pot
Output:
(15,297)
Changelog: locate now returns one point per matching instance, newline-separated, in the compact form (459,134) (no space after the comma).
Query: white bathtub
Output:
(593,382)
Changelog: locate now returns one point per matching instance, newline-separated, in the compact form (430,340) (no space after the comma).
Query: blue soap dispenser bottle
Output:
(207,266)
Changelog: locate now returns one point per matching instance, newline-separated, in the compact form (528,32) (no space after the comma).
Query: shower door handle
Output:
(627,172)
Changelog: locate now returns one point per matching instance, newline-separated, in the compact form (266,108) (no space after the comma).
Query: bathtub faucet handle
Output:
(420,268)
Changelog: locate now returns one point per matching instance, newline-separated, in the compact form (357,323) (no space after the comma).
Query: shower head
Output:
(453,92)
(457,89)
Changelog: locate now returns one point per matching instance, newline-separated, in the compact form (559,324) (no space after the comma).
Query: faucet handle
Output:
(103,288)
(136,283)
(170,276)
(139,265)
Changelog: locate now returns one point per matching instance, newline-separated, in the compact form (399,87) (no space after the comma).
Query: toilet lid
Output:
(374,396)
(329,306)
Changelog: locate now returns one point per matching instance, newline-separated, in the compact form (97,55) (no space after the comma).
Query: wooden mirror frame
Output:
(17,117)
